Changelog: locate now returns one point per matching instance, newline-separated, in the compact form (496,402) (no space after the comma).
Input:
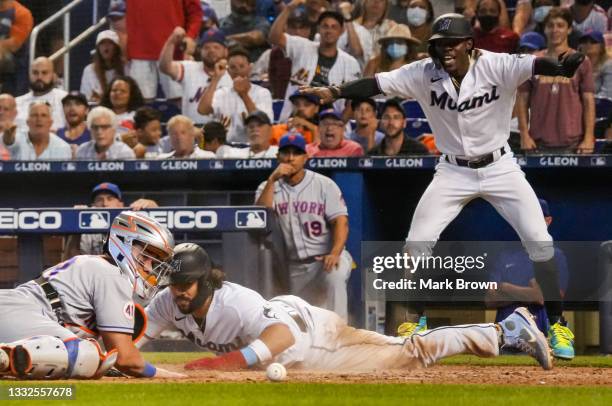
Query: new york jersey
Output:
(95,295)
(474,121)
(304,212)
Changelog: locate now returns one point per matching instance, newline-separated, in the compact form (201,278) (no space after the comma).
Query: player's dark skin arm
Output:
(340,230)
(277,338)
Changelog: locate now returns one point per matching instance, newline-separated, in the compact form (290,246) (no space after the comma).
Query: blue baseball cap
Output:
(594,35)
(213,35)
(108,188)
(330,113)
(292,139)
(313,98)
(116,8)
(545,208)
(208,13)
(532,40)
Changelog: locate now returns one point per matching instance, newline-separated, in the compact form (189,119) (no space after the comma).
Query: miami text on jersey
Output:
(477,101)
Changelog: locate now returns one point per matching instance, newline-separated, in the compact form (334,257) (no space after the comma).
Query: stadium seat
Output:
(413,109)
(167,109)
(416,127)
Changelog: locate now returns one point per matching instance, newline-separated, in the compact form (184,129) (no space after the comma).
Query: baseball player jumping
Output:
(49,326)
(467,95)
(245,330)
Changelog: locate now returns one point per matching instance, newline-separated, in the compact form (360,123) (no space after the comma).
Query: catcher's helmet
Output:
(192,263)
(451,25)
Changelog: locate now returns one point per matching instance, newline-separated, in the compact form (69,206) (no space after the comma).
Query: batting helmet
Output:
(451,25)
(192,263)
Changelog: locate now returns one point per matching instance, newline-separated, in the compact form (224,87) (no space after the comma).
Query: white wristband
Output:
(261,349)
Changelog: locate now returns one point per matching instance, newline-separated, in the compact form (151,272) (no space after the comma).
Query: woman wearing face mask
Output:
(398,48)
(420,15)
(489,34)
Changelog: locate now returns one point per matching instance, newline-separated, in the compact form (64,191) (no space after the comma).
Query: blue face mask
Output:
(540,13)
(416,16)
(397,51)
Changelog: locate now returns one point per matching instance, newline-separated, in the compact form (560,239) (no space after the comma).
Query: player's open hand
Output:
(323,93)
(527,143)
(142,204)
(330,261)
(281,171)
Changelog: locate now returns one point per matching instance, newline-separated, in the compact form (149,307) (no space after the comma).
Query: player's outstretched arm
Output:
(359,88)
(272,341)
(566,65)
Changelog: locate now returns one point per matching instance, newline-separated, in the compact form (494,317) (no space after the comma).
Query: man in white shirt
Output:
(36,142)
(315,64)
(182,138)
(193,76)
(42,85)
(236,102)
(102,123)
(259,132)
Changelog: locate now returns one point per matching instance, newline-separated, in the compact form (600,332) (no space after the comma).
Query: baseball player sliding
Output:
(467,95)
(49,326)
(244,330)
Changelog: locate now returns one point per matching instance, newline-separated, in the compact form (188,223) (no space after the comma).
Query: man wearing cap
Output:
(366,125)
(246,28)
(531,42)
(304,119)
(259,130)
(517,286)
(75,132)
(195,77)
(314,63)
(148,26)
(107,63)
(332,141)
(36,141)
(42,85)
(234,103)
(105,195)
(314,221)
(593,44)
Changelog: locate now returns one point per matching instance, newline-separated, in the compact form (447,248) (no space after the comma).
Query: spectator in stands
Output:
(215,141)
(316,64)
(531,42)
(530,16)
(398,48)
(304,118)
(117,23)
(194,77)
(558,113)
(592,44)
(8,111)
(245,28)
(366,124)
(105,195)
(470,7)
(123,97)
(236,102)
(209,18)
(395,141)
(374,18)
(273,66)
(148,26)
(145,139)
(15,29)
(420,15)
(332,140)
(259,130)
(102,122)
(355,39)
(588,16)
(489,35)
(107,64)
(42,85)
(36,142)
(182,138)
(398,11)
(75,110)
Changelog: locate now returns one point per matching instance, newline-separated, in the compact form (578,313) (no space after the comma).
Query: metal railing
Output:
(68,44)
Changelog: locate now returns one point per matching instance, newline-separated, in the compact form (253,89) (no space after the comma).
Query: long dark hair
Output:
(136,100)
(100,66)
(384,63)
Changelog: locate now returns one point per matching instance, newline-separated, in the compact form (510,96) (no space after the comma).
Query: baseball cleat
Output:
(521,332)
(409,328)
(561,341)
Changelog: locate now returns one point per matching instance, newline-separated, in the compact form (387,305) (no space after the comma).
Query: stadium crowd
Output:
(176,81)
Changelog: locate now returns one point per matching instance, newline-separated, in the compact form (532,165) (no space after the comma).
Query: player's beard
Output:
(184,305)
(39,86)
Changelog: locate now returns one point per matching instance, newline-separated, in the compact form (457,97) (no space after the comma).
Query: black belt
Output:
(52,296)
(479,162)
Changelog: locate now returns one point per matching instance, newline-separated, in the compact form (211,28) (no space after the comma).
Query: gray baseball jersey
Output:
(96,295)
(236,317)
(304,212)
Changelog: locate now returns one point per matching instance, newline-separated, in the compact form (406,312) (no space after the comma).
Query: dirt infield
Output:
(449,374)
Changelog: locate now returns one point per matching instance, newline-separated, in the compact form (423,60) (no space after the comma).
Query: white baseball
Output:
(276,372)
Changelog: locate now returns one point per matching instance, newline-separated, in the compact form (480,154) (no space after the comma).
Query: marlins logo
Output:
(444,25)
